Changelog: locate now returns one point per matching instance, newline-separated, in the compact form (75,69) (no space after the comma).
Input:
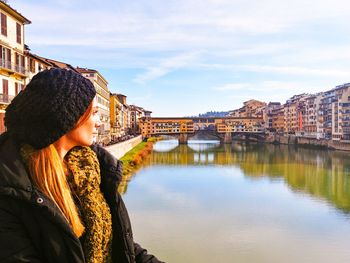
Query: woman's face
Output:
(83,134)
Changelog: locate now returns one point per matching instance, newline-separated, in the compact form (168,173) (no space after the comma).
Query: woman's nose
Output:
(98,123)
(97,119)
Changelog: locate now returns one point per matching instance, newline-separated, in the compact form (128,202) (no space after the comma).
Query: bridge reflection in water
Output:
(322,174)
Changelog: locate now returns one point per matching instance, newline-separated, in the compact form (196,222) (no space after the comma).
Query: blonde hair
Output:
(47,172)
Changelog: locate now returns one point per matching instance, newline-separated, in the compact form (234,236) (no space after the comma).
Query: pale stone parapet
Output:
(120,149)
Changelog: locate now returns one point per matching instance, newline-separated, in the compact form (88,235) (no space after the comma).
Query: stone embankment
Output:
(322,143)
(120,149)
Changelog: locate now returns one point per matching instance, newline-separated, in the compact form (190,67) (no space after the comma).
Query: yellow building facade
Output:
(103,100)
(157,126)
(13,69)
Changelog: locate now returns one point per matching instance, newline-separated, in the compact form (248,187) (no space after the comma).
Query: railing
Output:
(115,125)
(5,98)
(13,67)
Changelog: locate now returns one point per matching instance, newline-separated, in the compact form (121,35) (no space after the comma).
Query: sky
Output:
(185,57)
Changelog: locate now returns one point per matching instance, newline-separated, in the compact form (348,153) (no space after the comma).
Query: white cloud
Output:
(297,70)
(251,41)
(270,86)
(234,86)
(267,91)
(166,66)
(181,24)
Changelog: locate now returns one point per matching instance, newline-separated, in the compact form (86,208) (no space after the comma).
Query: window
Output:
(3,24)
(5,57)
(31,65)
(17,88)
(5,90)
(5,86)
(19,63)
(19,33)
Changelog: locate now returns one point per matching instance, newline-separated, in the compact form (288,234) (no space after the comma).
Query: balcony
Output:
(13,68)
(6,99)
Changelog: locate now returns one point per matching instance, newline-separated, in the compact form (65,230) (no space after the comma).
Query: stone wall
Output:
(338,145)
(292,139)
(120,149)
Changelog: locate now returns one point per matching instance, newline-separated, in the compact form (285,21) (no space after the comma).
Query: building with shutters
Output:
(270,113)
(136,113)
(103,101)
(35,64)
(13,70)
(123,115)
(115,116)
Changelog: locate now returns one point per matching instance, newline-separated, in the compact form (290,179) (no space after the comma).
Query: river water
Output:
(246,203)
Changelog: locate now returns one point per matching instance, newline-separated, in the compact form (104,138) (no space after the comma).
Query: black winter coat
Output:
(32,229)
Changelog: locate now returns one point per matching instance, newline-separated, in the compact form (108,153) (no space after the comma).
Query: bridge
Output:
(224,129)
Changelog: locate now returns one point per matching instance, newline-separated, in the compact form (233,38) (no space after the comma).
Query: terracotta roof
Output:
(38,58)
(137,108)
(58,64)
(86,70)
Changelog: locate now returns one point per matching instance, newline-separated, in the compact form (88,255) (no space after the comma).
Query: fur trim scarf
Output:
(84,179)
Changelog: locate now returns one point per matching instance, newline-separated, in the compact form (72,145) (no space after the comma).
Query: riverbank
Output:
(311,142)
(133,159)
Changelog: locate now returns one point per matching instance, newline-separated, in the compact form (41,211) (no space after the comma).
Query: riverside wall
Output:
(120,149)
(321,143)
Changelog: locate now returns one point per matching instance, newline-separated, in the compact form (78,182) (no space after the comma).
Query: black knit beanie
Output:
(48,107)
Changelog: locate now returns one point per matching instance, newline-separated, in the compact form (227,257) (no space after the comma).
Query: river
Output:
(246,203)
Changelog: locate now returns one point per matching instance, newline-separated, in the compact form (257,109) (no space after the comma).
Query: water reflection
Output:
(165,146)
(242,203)
(199,146)
(323,174)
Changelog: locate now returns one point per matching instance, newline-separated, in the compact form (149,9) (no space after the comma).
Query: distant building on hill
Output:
(214,114)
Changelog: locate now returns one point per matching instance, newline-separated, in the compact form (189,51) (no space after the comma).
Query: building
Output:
(311,117)
(115,107)
(136,113)
(13,70)
(250,109)
(269,113)
(293,114)
(344,112)
(177,125)
(103,102)
(36,64)
(148,113)
(157,126)
(253,109)
(278,119)
(326,113)
(235,113)
(290,118)
(124,115)
(240,125)
(341,114)
(58,64)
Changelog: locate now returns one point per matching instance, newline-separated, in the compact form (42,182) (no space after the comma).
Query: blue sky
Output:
(184,57)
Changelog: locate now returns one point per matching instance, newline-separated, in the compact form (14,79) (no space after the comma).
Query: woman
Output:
(58,192)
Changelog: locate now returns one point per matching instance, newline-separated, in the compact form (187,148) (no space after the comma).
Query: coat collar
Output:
(15,183)
(14,179)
